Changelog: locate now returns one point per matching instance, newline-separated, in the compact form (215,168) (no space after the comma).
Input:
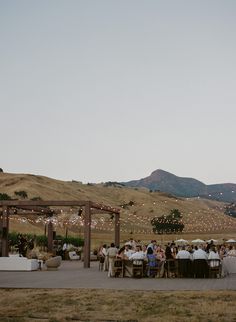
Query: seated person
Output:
(183,254)
(128,251)
(213,254)
(232,251)
(199,253)
(150,255)
(152,262)
(138,254)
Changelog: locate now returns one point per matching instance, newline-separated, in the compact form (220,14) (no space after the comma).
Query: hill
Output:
(138,206)
(185,187)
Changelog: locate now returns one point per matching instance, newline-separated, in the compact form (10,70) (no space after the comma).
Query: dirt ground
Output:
(54,305)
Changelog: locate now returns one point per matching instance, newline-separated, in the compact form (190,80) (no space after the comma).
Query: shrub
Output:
(36,199)
(41,240)
(76,241)
(13,237)
(23,194)
(4,196)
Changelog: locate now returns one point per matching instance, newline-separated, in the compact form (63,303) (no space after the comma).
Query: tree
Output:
(176,213)
(1,170)
(171,223)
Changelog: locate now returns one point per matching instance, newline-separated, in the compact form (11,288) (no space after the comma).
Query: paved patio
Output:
(74,275)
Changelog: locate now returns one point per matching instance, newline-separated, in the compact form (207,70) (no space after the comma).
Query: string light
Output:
(200,220)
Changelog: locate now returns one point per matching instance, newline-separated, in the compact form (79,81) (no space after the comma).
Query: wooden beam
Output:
(104,208)
(38,209)
(65,203)
(36,204)
(1,232)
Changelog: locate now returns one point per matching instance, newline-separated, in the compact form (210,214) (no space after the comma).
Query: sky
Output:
(109,90)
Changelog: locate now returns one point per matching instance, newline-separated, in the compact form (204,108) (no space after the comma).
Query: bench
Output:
(17,263)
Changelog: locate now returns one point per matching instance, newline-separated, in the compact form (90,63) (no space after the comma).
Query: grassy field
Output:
(56,305)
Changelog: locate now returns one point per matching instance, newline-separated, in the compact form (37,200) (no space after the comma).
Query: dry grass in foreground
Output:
(44,305)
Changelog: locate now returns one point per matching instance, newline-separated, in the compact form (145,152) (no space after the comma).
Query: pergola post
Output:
(5,226)
(87,234)
(1,220)
(117,229)
(50,236)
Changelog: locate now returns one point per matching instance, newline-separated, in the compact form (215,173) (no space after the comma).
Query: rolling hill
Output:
(138,206)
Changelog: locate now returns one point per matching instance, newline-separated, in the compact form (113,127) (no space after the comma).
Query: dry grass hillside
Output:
(201,217)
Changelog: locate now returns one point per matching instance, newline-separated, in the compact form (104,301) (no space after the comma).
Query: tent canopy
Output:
(214,240)
(181,241)
(196,241)
(231,241)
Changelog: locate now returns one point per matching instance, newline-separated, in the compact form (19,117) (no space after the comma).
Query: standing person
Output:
(22,245)
(103,257)
(174,252)
(169,264)
(111,253)
(64,250)
(152,245)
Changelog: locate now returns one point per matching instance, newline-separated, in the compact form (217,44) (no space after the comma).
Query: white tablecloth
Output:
(229,265)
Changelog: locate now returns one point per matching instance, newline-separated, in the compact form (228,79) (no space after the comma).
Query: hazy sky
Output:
(112,90)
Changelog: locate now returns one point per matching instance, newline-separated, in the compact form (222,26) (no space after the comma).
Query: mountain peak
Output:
(159,173)
(184,187)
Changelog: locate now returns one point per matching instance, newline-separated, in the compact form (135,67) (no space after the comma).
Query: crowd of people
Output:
(135,250)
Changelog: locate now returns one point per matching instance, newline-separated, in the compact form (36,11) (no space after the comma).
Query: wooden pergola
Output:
(38,206)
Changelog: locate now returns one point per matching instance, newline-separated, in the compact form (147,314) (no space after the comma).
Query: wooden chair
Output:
(118,267)
(214,268)
(200,268)
(137,268)
(171,267)
(184,267)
